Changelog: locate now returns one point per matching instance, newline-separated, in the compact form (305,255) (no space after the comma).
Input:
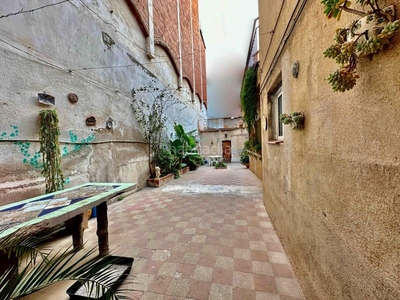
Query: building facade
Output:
(95,52)
(331,189)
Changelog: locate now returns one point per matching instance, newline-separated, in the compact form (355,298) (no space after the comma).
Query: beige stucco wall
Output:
(255,165)
(59,49)
(333,189)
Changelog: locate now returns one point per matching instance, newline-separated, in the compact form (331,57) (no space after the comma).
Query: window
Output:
(277,110)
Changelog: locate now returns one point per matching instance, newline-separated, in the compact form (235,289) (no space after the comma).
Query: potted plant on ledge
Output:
(244,158)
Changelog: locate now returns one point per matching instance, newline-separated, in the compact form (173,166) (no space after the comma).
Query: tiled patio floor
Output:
(204,236)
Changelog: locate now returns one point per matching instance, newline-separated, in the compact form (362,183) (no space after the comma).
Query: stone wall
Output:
(333,189)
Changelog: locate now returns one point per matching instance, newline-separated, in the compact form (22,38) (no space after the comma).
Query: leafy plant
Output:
(185,142)
(252,143)
(249,96)
(244,157)
(219,164)
(165,161)
(193,160)
(43,268)
(150,113)
(351,44)
(295,119)
(50,149)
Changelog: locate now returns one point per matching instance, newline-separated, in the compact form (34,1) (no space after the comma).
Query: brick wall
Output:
(165,14)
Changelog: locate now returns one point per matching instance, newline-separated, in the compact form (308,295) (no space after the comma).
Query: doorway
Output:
(226,151)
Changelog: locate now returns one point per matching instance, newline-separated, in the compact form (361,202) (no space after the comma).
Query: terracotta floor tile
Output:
(151,267)
(202,236)
(226,251)
(282,270)
(203,273)
(185,270)
(243,280)
(160,284)
(243,294)
(199,289)
(207,260)
(224,262)
(242,265)
(168,269)
(257,255)
(178,287)
(288,287)
(265,283)
(220,292)
(223,276)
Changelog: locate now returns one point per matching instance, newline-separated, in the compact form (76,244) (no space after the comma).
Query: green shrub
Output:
(165,161)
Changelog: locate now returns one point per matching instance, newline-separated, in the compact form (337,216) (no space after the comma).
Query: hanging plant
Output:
(50,149)
(295,119)
(363,37)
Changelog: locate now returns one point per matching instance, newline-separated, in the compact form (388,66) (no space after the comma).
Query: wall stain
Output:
(74,139)
(33,158)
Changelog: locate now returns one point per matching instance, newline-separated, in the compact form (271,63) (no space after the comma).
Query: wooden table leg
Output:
(77,232)
(7,262)
(102,228)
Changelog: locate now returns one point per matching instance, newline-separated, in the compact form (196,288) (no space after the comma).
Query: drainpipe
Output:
(150,38)
(179,43)
(193,64)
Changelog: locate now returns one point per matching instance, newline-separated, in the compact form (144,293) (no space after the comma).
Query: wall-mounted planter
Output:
(294,119)
(364,37)
(367,28)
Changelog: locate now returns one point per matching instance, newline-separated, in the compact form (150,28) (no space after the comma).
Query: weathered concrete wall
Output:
(96,50)
(211,142)
(333,189)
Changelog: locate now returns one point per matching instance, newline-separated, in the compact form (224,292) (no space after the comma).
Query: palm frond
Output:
(51,267)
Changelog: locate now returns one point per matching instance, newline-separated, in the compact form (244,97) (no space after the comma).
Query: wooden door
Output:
(226,151)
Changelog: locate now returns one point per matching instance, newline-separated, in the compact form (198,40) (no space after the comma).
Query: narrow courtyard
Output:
(205,235)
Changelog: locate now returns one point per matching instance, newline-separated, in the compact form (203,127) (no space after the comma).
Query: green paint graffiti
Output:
(74,139)
(28,157)
(33,158)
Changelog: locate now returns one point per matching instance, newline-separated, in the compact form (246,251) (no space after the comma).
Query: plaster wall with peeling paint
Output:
(97,50)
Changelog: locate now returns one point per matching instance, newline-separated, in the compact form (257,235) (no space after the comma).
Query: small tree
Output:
(150,113)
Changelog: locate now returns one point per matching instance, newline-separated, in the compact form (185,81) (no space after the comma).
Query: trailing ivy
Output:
(50,149)
(249,96)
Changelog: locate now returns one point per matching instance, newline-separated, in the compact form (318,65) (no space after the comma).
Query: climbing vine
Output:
(50,149)
(249,96)
(149,106)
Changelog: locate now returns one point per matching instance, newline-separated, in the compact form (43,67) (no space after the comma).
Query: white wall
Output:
(59,50)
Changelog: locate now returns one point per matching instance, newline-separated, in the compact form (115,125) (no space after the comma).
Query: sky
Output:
(227,26)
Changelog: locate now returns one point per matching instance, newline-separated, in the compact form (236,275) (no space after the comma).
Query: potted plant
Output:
(219,164)
(184,143)
(294,119)
(363,37)
(244,158)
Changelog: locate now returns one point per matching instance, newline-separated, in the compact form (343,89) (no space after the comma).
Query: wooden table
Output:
(39,213)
